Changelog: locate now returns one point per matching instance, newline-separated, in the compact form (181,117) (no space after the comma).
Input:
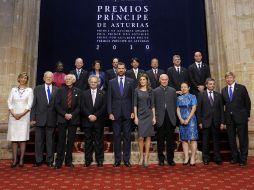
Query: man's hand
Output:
(32,122)
(200,126)
(68,116)
(92,118)
(111,117)
(221,126)
(132,115)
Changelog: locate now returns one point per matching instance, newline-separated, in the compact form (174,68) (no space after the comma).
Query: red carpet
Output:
(160,178)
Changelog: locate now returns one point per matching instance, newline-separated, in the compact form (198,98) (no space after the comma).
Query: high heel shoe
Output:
(145,163)
(14,164)
(192,163)
(21,163)
(141,161)
(186,163)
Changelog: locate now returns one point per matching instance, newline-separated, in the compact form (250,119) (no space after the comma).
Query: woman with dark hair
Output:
(186,107)
(59,75)
(144,116)
(19,103)
(97,71)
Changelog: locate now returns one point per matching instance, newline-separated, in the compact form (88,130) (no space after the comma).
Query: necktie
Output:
(93,96)
(178,70)
(136,73)
(230,93)
(49,94)
(211,98)
(69,98)
(155,74)
(199,66)
(121,86)
(78,73)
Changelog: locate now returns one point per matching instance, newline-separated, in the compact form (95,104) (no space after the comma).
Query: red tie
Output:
(69,98)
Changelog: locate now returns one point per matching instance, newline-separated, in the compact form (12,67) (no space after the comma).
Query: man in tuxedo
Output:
(120,110)
(210,113)
(80,74)
(177,74)
(154,73)
(135,71)
(68,118)
(93,107)
(165,112)
(198,73)
(43,116)
(112,73)
(237,113)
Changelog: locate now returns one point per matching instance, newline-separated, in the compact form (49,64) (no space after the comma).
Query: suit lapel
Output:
(116,85)
(44,94)
(126,84)
(235,92)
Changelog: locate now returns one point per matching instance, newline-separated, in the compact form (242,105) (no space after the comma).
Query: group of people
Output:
(155,101)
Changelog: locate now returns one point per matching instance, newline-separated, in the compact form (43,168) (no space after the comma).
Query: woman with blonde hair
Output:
(144,116)
(19,103)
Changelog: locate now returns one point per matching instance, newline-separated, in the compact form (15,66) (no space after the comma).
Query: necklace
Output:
(21,91)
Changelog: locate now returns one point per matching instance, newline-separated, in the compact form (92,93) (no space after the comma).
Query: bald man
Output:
(165,113)
(80,74)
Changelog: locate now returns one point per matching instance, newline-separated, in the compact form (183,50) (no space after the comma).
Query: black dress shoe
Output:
(50,165)
(37,164)
(233,162)
(172,163)
(99,164)
(70,165)
(186,163)
(87,164)
(127,164)
(242,164)
(218,162)
(57,166)
(205,162)
(117,164)
(161,163)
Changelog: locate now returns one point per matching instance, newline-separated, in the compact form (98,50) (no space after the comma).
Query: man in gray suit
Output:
(43,116)
(165,112)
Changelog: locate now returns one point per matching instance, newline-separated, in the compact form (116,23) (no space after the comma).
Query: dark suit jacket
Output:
(154,82)
(99,108)
(197,77)
(42,112)
(61,105)
(120,105)
(240,106)
(82,82)
(130,74)
(207,114)
(109,74)
(175,79)
(159,103)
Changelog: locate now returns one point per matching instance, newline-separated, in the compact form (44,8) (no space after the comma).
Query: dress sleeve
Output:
(30,99)
(152,99)
(10,100)
(194,100)
(135,98)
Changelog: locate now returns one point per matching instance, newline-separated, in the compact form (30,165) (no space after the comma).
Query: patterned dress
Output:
(187,132)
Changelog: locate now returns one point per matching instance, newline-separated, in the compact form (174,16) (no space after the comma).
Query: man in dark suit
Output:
(80,74)
(93,108)
(68,118)
(120,110)
(112,73)
(237,112)
(43,115)
(154,73)
(134,72)
(165,113)
(198,73)
(177,74)
(210,114)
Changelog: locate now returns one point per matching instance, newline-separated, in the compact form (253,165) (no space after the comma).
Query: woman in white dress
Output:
(19,103)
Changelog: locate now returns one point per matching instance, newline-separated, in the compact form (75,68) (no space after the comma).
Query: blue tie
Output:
(49,93)
(121,86)
(78,73)
(230,93)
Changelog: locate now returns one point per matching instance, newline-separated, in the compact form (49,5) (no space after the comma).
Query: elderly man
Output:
(93,114)
(80,74)
(68,117)
(165,112)
(43,115)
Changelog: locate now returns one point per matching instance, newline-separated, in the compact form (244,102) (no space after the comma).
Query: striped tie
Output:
(69,98)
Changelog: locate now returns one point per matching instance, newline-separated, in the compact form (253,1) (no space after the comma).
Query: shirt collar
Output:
(199,63)
(232,85)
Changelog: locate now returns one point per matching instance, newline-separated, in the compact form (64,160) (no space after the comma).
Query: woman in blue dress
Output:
(97,71)
(186,107)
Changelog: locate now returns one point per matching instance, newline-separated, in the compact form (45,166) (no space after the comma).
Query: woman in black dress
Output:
(144,116)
